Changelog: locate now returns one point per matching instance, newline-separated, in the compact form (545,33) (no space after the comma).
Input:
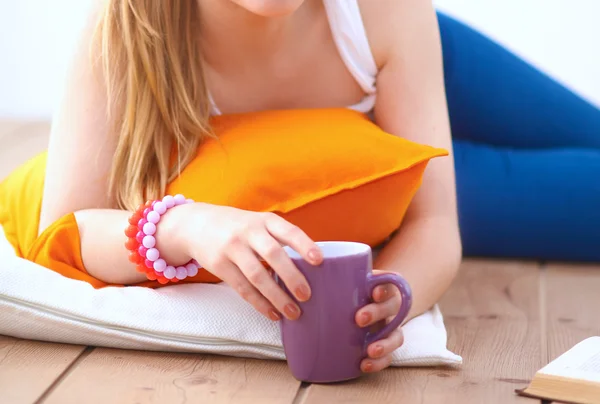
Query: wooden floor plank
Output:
(7,126)
(573,299)
(29,368)
(119,376)
(21,143)
(493,320)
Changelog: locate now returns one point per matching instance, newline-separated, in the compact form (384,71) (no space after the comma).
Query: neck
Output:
(230,31)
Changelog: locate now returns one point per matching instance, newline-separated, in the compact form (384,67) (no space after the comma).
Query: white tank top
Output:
(350,37)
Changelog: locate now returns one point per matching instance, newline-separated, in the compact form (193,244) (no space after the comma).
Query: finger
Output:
(291,235)
(384,292)
(258,276)
(375,312)
(386,346)
(271,251)
(375,365)
(231,275)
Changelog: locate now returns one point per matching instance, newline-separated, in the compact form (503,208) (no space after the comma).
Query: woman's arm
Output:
(101,232)
(82,144)
(411,103)
(80,153)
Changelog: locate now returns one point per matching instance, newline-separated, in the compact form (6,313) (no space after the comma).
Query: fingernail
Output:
(365,318)
(314,255)
(273,315)
(302,293)
(291,311)
(378,351)
(380,294)
(367,367)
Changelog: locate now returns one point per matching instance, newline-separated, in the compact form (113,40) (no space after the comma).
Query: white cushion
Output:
(37,303)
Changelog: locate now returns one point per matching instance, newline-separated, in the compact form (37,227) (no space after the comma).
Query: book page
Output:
(592,364)
(580,362)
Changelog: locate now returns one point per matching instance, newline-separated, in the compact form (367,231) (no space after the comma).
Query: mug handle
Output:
(406,294)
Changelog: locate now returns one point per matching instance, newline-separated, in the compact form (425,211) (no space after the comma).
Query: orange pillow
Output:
(332,172)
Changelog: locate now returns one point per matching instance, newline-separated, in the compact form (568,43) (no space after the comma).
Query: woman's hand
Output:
(386,305)
(230,243)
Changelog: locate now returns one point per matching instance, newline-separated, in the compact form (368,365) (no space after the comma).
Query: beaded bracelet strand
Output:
(141,242)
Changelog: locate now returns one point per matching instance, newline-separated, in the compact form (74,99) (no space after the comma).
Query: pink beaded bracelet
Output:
(142,245)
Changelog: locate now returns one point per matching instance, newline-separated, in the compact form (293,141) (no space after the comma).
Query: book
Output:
(573,377)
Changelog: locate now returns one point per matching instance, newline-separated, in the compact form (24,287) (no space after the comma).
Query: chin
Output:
(270,8)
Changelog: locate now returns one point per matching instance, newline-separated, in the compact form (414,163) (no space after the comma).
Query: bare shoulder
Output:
(389,23)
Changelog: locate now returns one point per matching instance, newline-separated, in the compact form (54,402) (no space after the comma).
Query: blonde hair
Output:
(156,89)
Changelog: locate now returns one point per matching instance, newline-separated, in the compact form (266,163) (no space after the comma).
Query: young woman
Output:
(159,70)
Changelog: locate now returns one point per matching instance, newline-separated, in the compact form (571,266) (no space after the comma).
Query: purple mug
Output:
(325,345)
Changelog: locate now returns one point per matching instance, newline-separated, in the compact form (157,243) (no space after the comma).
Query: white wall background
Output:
(560,36)
(36,38)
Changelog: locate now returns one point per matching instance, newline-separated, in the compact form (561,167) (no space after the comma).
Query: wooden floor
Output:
(506,319)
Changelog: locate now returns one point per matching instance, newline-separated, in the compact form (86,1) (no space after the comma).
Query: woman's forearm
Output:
(102,244)
(427,253)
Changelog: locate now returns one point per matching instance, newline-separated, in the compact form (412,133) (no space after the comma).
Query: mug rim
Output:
(328,248)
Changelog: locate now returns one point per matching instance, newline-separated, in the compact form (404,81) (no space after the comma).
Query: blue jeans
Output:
(527,154)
